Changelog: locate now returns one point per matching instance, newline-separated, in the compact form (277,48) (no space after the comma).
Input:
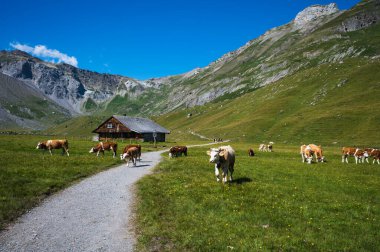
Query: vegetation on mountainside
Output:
(275,203)
(327,104)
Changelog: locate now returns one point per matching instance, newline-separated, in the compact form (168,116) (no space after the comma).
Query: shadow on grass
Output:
(240,181)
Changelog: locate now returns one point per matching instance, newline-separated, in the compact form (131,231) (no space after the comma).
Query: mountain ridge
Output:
(320,38)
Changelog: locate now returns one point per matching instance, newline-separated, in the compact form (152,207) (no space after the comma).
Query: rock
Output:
(314,12)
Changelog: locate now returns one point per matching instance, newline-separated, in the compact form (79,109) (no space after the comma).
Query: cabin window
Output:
(109,126)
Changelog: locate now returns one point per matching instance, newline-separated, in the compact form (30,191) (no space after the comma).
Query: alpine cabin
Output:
(125,127)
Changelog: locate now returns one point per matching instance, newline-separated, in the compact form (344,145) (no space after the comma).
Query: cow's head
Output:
(122,156)
(41,145)
(92,150)
(215,154)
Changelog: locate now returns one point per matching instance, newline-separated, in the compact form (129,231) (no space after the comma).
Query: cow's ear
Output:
(208,153)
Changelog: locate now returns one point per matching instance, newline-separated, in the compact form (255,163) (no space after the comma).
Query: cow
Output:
(306,153)
(270,146)
(176,151)
(317,152)
(370,152)
(130,155)
(375,154)
(54,144)
(102,146)
(223,157)
(251,153)
(262,147)
(138,146)
(359,154)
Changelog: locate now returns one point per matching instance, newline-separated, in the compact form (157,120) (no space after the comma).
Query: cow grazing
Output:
(359,154)
(262,147)
(251,153)
(375,154)
(318,152)
(306,154)
(101,147)
(54,144)
(223,157)
(176,151)
(138,146)
(266,147)
(130,155)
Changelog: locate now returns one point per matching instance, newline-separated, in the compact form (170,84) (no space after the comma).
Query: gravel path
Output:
(92,215)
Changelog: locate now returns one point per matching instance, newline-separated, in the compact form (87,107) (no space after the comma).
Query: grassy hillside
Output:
(24,108)
(326,104)
(77,126)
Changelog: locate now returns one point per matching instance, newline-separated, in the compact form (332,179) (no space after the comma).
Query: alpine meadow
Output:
(314,80)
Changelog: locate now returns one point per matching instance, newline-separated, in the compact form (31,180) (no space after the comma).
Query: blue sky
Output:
(143,38)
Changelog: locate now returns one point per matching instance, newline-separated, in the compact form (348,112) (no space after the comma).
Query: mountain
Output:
(318,36)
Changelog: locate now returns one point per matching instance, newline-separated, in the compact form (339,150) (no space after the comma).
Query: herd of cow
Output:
(131,152)
(223,157)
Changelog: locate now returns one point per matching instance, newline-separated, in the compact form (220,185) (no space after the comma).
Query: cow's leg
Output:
(50,152)
(303,158)
(343,158)
(67,152)
(356,159)
(217,172)
(97,154)
(225,173)
(231,172)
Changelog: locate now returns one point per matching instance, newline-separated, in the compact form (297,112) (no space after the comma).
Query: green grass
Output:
(27,175)
(276,202)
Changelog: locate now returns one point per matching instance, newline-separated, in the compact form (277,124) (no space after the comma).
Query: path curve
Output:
(92,215)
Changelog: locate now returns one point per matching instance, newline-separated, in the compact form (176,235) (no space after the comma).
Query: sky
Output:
(141,39)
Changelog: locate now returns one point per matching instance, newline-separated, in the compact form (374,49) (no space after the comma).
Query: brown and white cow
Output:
(358,153)
(318,152)
(266,147)
(102,146)
(130,155)
(54,144)
(138,146)
(375,154)
(223,157)
(176,151)
(306,153)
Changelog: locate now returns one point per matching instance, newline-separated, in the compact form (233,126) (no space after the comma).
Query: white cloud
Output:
(44,52)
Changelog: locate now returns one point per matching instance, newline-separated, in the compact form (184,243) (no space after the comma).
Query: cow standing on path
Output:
(130,155)
(223,157)
(54,144)
(101,147)
(138,146)
(306,153)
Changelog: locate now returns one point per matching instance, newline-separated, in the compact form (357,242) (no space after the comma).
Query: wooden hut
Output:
(125,127)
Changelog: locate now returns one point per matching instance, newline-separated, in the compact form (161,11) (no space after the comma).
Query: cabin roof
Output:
(141,125)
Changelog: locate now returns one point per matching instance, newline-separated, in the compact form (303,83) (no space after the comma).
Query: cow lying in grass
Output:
(101,147)
(176,151)
(223,157)
(131,154)
(54,144)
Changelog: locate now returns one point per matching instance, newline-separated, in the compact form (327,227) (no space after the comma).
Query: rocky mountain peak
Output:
(314,12)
